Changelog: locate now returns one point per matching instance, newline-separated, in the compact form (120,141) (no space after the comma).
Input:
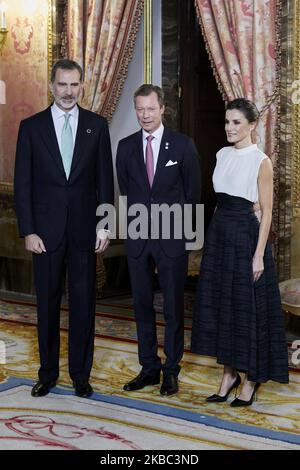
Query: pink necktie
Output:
(149,160)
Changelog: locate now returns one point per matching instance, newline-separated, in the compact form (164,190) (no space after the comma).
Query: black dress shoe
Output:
(83,389)
(41,389)
(221,398)
(142,381)
(169,385)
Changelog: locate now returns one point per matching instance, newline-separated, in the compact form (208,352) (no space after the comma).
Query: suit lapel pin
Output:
(88,131)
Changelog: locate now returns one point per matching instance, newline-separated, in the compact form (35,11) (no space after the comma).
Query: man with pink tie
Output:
(157,166)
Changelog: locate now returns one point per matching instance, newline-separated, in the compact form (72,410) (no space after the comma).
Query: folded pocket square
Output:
(170,163)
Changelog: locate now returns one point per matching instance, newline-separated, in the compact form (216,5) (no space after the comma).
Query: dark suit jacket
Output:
(179,183)
(46,202)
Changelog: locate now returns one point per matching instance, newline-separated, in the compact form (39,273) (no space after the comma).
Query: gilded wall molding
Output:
(148,11)
(55,32)
(294,101)
(296,114)
(51,15)
(282,213)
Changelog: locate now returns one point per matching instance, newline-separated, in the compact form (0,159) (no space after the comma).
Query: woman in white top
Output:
(237,313)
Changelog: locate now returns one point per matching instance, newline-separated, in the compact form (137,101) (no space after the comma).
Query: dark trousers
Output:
(48,274)
(172,275)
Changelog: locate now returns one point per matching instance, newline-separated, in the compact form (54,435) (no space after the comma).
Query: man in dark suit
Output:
(157,166)
(63,171)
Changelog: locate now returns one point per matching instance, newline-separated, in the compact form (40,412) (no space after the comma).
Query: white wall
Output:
(124,120)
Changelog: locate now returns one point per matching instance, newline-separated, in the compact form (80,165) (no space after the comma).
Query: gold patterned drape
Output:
(242,39)
(101,36)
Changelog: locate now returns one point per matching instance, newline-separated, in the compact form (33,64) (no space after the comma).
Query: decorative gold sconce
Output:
(3,29)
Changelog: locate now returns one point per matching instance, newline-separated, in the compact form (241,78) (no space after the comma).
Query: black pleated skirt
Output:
(239,321)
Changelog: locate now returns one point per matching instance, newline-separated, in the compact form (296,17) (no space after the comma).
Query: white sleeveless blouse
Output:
(237,170)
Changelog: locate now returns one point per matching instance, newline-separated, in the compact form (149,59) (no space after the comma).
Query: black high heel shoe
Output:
(219,398)
(239,402)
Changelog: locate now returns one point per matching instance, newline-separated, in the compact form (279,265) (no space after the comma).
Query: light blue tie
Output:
(67,145)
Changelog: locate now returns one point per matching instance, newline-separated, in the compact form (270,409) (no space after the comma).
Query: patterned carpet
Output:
(114,318)
(114,419)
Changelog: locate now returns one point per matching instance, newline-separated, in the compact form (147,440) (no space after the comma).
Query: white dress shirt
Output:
(155,143)
(59,121)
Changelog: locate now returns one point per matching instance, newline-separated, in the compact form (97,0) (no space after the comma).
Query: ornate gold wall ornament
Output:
(3,34)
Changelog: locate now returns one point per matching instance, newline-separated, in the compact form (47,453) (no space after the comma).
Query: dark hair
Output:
(247,107)
(65,64)
(146,89)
